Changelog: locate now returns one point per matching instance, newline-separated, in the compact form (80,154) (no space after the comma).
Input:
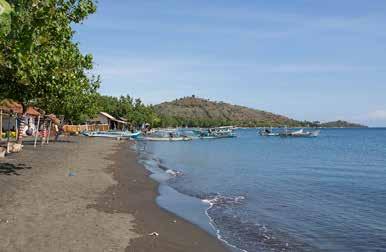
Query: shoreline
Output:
(136,194)
(190,208)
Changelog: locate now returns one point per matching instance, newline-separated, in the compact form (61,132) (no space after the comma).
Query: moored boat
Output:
(267,132)
(113,134)
(165,135)
(219,132)
(155,138)
(300,133)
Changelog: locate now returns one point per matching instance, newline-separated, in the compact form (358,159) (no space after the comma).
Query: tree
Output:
(41,64)
(131,109)
(5,10)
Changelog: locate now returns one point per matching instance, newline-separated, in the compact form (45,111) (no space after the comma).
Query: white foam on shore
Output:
(211,203)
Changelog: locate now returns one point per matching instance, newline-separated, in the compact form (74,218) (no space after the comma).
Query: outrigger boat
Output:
(214,133)
(153,138)
(267,132)
(300,133)
(112,134)
(165,135)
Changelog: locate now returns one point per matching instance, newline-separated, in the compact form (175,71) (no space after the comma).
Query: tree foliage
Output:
(134,110)
(5,11)
(39,61)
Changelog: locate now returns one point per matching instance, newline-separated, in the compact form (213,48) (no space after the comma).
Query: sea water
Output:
(278,194)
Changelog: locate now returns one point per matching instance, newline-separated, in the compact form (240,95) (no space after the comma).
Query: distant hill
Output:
(341,124)
(194,111)
(198,112)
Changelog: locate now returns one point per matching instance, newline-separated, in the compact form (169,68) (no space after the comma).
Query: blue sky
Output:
(309,60)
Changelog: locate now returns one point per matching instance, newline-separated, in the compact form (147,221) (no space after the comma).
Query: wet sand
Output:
(109,205)
(135,194)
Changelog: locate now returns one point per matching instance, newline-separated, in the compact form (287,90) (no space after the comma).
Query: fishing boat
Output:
(267,132)
(154,138)
(219,132)
(113,134)
(165,135)
(300,133)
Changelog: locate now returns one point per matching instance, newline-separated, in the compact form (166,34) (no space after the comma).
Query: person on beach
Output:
(57,132)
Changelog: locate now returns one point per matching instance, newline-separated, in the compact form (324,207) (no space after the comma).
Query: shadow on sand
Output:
(39,143)
(11,169)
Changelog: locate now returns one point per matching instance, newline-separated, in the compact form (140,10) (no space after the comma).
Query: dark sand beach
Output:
(135,194)
(109,205)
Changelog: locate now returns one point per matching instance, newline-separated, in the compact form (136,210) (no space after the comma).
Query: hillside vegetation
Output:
(192,111)
(198,112)
(341,124)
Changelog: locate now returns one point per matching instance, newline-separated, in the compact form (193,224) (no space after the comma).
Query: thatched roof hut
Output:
(32,111)
(8,105)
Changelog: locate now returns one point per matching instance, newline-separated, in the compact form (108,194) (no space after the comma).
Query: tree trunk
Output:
(37,132)
(21,124)
(1,124)
(44,131)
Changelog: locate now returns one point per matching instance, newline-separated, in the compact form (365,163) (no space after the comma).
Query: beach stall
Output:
(9,111)
(30,118)
(8,116)
(112,122)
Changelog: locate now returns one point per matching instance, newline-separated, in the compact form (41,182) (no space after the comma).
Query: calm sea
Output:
(278,194)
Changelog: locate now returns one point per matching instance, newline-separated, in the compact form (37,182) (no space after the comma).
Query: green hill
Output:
(194,111)
(198,112)
(341,124)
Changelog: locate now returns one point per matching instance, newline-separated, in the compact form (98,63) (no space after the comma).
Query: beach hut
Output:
(8,109)
(31,118)
(11,110)
(112,122)
(32,111)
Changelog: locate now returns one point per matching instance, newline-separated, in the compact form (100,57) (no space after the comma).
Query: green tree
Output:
(133,110)
(41,64)
(5,10)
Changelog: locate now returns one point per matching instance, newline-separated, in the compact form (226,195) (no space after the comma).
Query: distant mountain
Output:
(341,124)
(194,111)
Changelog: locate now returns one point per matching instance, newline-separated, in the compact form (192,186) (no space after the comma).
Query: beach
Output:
(107,205)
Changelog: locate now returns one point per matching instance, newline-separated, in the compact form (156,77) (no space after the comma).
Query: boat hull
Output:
(301,134)
(165,139)
(112,134)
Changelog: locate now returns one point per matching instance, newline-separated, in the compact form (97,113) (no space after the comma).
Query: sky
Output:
(306,59)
